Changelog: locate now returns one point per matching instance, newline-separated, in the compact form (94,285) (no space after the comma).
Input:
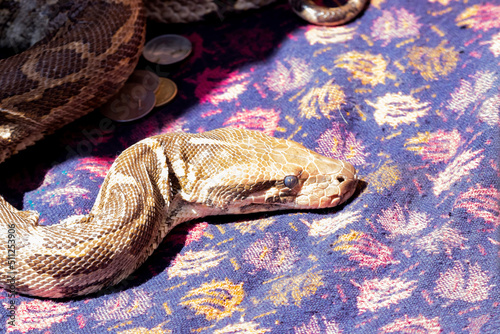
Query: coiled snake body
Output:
(153,185)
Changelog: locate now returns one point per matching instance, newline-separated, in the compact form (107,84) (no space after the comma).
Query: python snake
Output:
(153,185)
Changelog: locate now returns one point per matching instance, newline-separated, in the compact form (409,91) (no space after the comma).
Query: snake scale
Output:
(153,185)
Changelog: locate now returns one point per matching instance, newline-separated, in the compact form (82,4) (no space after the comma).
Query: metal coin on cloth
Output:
(148,79)
(167,49)
(132,102)
(166,92)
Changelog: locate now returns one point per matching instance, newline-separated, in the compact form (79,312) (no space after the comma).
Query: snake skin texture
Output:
(152,186)
(69,74)
(155,185)
(183,11)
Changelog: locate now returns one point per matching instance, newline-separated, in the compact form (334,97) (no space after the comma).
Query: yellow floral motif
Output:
(142,330)
(296,287)
(252,225)
(433,62)
(215,300)
(345,239)
(385,177)
(325,100)
(467,17)
(371,69)
(242,328)
(167,309)
(195,262)
(395,109)
(412,144)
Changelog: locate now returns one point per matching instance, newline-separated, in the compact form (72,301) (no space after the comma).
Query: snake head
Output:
(307,180)
(325,183)
(253,172)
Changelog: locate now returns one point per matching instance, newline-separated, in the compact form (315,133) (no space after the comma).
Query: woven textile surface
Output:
(408,93)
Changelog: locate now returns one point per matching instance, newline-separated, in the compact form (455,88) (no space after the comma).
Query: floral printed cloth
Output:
(408,93)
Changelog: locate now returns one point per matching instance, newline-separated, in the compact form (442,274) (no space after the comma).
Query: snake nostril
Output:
(340,178)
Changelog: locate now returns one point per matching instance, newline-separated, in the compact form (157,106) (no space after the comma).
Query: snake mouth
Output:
(254,207)
(348,188)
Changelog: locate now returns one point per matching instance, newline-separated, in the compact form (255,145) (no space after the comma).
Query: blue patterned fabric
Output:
(407,93)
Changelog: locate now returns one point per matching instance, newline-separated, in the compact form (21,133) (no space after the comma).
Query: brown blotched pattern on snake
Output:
(48,85)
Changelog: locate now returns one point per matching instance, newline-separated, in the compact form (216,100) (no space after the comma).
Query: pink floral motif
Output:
(81,321)
(265,120)
(314,327)
(338,143)
(456,170)
(211,113)
(368,251)
(446,238)
(475,324)
(272,253)
(438,146)
(494,44)
(471,93)
(287,78)
(481,202)
(196,232)
(454,284)
(490,111)
(220,85)
(97,166)
(396,23)
(395,221)
(377,293)
(39,315)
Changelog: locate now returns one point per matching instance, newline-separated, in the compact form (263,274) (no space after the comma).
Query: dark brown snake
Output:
(153,185)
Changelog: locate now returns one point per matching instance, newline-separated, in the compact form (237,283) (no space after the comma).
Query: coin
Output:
(166,92)
(148,79)
(132,102)
(167,49)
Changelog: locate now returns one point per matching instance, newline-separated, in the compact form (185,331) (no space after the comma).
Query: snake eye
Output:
(290,181)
